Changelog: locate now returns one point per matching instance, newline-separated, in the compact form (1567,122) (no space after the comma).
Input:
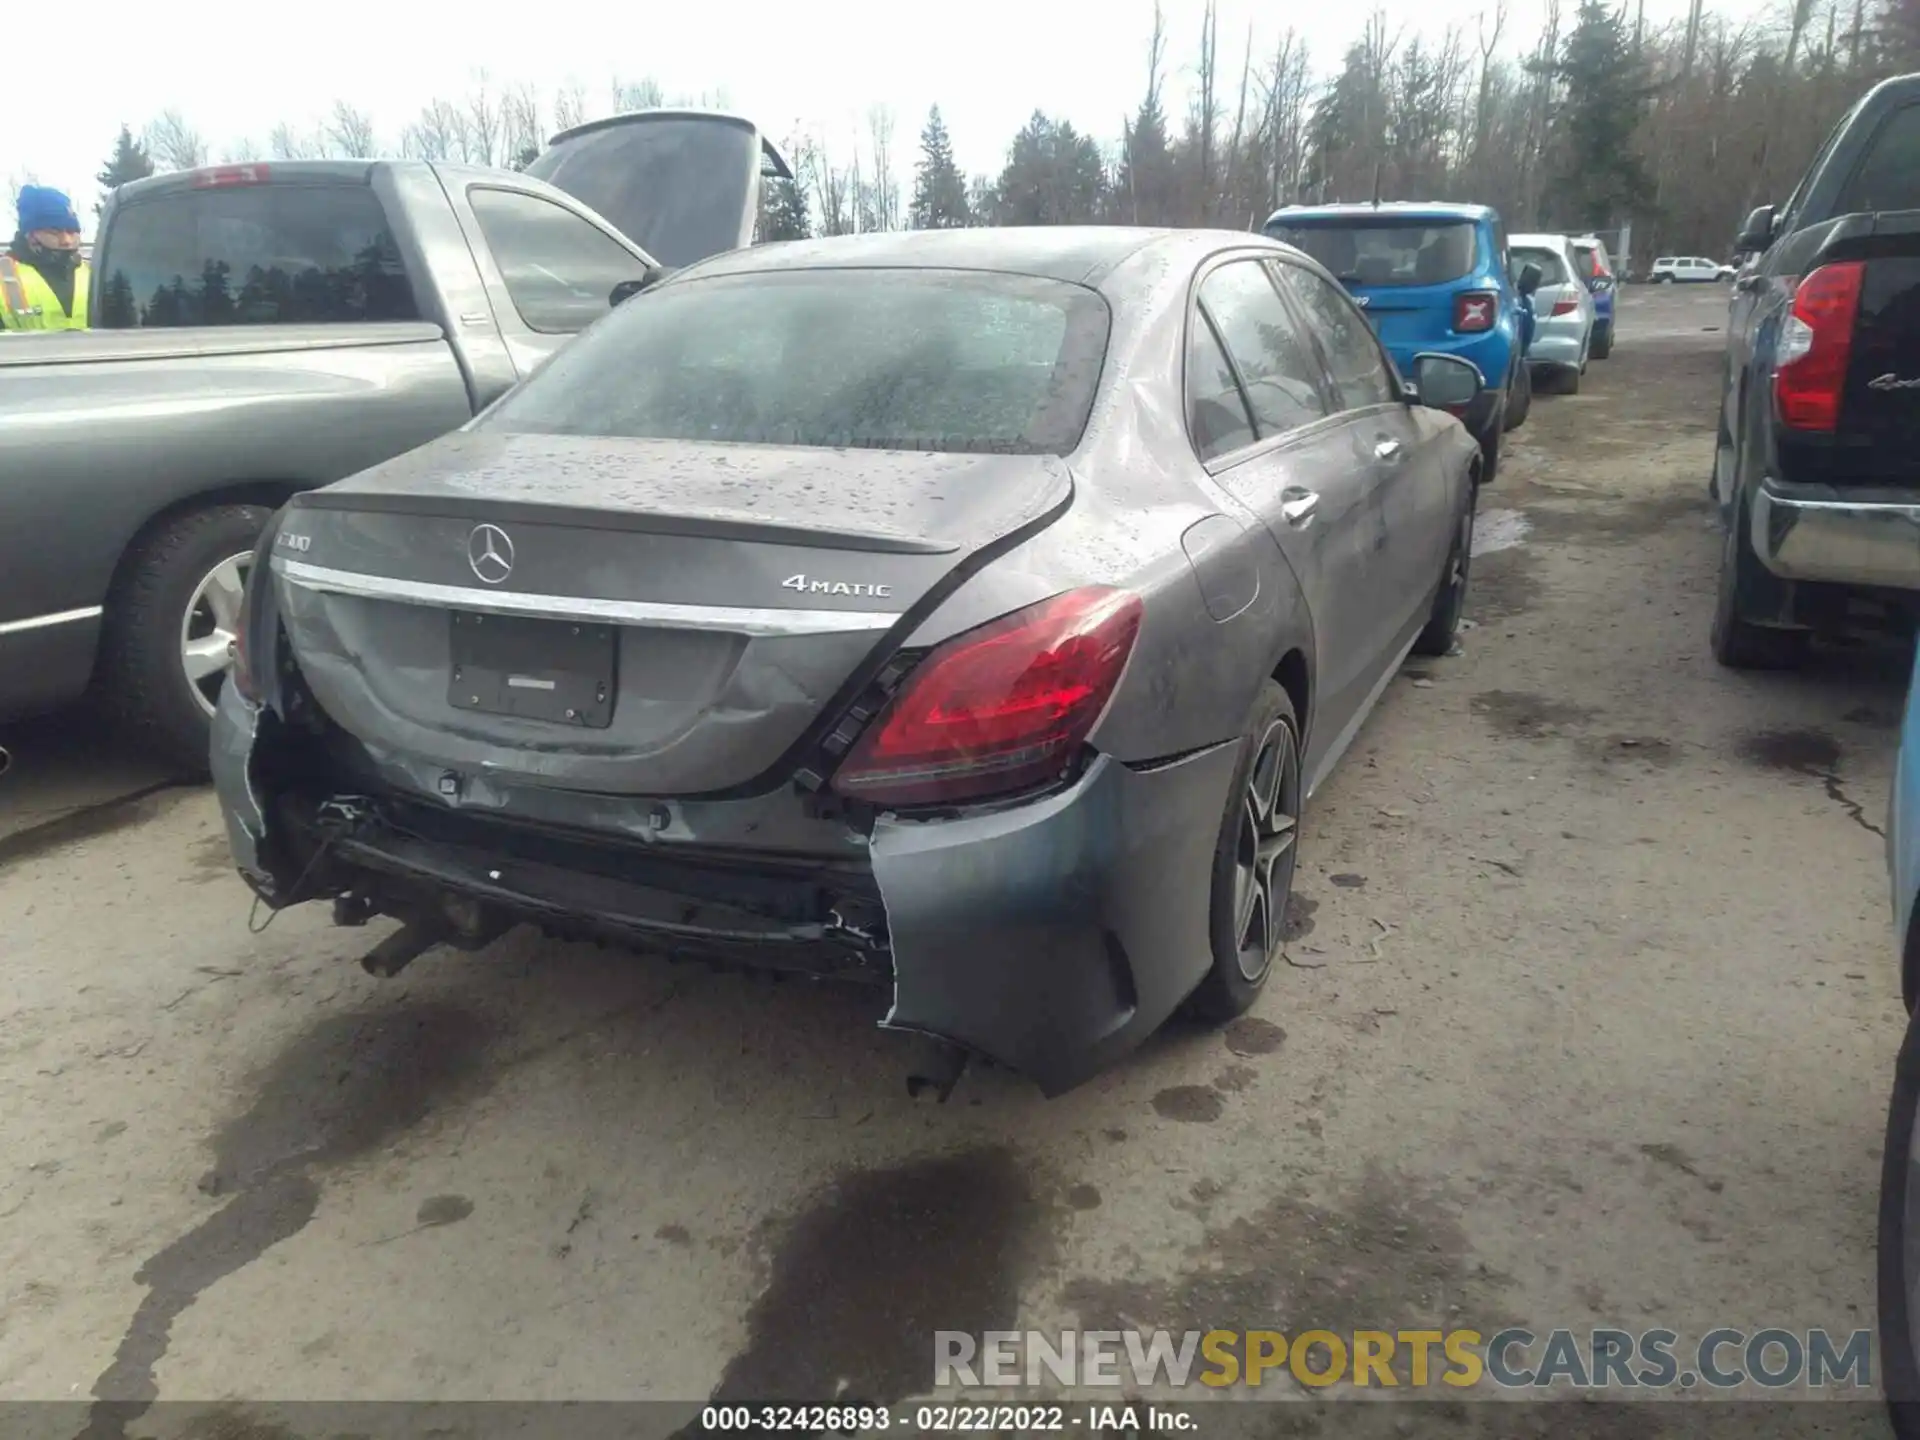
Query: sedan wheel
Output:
(1254,859)
(1264,851)
(209,631)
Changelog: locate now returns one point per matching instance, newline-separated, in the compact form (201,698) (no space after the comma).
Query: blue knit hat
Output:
(44,208)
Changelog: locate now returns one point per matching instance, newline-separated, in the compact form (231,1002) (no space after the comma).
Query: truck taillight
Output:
(1000,708)
(1475,311)
(241,676)
(1816,342)
(221,176)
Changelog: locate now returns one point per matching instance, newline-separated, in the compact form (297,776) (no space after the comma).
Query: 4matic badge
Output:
(812,586)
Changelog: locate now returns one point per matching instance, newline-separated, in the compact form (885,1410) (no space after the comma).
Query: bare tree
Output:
(637,95)
(520,111)
(349,133)
(438,133)
(174,144)
(570,106)
(1205,118)
(242,152)
(481,134)
(287,143)
(885,187)
(1483,95)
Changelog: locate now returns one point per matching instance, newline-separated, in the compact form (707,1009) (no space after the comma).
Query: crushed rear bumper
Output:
(1867,538)
(1050,936)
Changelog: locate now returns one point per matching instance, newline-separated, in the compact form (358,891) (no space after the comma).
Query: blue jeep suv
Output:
(1432,277)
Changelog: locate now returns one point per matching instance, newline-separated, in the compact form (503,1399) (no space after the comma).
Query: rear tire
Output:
(1519,399)
(1602,341)
(1899,1372)
(1247,923)
(161,588)
(1738,643)
(1450,601)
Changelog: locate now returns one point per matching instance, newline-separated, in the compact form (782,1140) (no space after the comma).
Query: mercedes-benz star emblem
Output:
(490,553)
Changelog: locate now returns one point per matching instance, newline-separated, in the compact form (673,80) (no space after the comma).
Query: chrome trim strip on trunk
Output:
(737,620)
(63,617)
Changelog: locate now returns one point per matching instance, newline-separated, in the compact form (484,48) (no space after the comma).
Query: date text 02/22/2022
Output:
(853,1420)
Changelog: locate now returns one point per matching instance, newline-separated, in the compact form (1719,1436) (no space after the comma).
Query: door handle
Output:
(1297,506)
(1387,450)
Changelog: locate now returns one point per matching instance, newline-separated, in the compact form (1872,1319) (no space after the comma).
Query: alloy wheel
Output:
(210,628)
(1264,849)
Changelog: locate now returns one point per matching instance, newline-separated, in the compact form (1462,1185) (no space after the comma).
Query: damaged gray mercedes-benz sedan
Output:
(969,613)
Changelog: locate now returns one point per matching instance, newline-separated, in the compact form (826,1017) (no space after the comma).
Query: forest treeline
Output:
(1603,118)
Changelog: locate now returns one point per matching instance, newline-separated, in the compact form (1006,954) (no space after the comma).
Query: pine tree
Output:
(1054,176)
(128,162)
(939,189)
(1603,178)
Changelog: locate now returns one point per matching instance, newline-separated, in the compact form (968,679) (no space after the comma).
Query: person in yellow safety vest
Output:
(43,280)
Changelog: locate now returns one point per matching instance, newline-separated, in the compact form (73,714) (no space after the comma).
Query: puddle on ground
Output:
(880,1260)
(346,1086)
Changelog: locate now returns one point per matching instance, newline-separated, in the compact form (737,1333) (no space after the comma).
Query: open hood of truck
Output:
(681,184)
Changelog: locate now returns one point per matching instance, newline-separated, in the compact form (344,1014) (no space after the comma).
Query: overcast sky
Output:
(814,64)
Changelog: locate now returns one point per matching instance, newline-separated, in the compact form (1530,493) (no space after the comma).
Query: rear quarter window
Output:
(270,254)
(1376,253)
(1888,175)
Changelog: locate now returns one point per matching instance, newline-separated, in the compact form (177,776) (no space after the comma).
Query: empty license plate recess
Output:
(553,670)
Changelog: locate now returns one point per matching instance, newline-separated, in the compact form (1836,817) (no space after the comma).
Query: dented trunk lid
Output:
(626,616)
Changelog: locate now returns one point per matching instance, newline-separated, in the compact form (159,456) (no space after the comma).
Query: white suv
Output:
(1669,270)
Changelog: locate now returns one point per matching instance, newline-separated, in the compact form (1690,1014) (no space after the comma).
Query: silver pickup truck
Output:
(264,329)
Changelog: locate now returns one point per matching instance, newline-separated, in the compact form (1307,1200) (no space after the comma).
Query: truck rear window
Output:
(877,359)
(270,254)
(1386,253)
(1888,176)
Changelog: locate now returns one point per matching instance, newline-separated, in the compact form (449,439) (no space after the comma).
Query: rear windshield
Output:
(872,359)
(1553,270)
(271,254)
(1386,253)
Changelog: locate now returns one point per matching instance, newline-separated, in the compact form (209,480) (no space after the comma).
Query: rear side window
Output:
(1400,253)
(559,270)
(1216,410)
(1276,365)
(1553,270)
(269,254)
(864,358)
(1888,175)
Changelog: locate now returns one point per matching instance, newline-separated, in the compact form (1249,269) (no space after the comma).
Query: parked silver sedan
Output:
(969,613)
(1562,308)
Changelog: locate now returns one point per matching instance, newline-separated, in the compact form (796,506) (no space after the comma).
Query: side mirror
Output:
(1757,233)
(1530,277)
(627,289)
(1445,382)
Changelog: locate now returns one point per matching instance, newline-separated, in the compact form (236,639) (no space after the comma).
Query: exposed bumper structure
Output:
(1850,538)
(1050,936)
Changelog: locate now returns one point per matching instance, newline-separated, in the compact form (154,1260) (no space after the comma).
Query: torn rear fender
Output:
(1054,937)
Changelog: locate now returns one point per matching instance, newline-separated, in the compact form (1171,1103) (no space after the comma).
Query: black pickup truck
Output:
(1817,470)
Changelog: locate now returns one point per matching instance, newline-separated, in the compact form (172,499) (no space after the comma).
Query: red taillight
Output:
(224,175)
(1475,310)
(1565,306)
(999,708)
(1816,342)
